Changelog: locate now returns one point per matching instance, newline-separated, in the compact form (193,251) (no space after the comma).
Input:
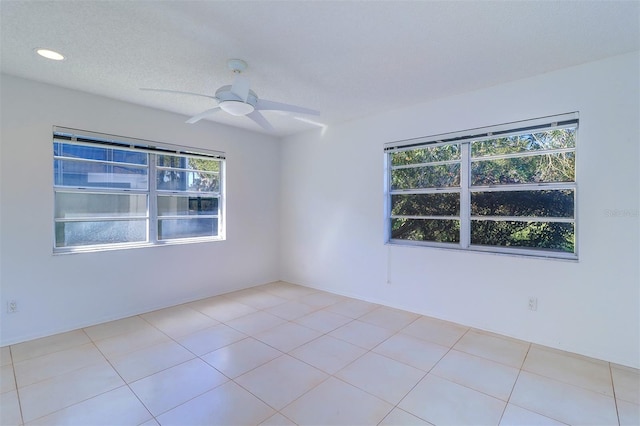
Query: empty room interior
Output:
(316,213)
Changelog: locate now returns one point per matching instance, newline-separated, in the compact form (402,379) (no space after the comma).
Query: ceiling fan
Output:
(238,99)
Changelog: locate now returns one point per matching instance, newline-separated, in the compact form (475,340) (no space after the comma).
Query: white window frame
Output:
(464,138)
(152,149)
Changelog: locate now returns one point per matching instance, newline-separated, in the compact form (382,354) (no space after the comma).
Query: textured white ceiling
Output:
(347,59)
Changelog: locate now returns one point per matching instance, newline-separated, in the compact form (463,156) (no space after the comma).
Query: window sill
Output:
(521,253)
(96,249)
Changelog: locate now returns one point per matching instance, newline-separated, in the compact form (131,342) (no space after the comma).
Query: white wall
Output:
(321,197)
(64,292)
(333,217)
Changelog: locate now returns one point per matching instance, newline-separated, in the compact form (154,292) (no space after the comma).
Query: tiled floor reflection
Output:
(282,354)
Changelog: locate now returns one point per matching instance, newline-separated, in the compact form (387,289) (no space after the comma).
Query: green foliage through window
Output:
(442,231)
(513,191)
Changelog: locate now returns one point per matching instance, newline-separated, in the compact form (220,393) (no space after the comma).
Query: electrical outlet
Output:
(12,306)
(533,303)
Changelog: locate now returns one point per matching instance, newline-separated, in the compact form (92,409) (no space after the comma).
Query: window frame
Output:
(465,139)
(152,150)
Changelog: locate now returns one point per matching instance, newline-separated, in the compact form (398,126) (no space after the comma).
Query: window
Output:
(115,192)
(507,189)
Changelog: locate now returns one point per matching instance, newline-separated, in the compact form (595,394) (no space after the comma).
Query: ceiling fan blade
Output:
(240,88)
(260,120)
(264,104)
(146,89)
(202,115)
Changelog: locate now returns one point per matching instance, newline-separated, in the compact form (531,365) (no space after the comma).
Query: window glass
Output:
(426,155)
(446,175)
(186,205)
(178,180)
(557,203)
(186,228)
(73,173)
(70,205)
(87,233)
(447,204)
(537,235)
(436,230)
(514,190)
(103,194)
(531,169)
(526,142)
(99,153)
(189,163)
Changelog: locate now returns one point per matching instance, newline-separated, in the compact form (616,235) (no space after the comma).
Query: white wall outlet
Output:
(533,303)
(12,307)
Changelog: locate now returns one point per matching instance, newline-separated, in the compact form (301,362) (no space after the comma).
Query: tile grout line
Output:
(119,375)
(58,375)
(613,388)
(252,336)
(83,400)
(515,382)
(333,375)
(329,375)
(531,345)
(398,332)
(295,399)
(196,356)
(55,375)
(154,417)
(497,336)
(279,411)
(164,369)
(426,373)
(560,382)
(246,336)
(52,352)
(15,382)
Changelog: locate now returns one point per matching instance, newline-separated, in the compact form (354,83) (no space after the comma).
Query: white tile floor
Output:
(282,354)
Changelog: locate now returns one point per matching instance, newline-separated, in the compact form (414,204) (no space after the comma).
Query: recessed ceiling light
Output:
(50,54)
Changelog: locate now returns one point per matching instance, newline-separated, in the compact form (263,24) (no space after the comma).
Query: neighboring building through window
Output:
(507,189)
(116,192)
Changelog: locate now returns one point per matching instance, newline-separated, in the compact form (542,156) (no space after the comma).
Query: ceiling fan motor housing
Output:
(233,104)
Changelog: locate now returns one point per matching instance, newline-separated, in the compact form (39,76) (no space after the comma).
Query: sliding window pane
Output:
(554,236)
(557,203)
(173,161)
(190,163)
(548,140)
(71,205)
(446,204)
(436,230)
(204,182)
(203,164)
(169,205)
(187,228)
(533,169)
(446,175)
(177,180)
(70,150)
(426,155)
(99,175)
(75,234)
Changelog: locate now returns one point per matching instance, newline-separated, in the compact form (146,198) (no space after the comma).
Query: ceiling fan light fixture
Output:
(236,108)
